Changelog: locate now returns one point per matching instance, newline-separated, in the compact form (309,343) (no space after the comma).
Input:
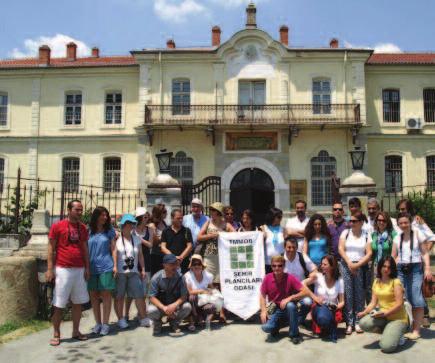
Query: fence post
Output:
(62,198)
(17,200)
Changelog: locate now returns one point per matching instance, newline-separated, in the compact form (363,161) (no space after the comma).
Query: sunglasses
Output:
(337,209)
(380,220)
(196,264)
(277,266)
(354,221)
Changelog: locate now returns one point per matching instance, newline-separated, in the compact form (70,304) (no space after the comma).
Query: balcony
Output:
(306,115)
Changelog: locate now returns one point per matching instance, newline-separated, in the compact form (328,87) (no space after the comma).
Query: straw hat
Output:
(217,206)
(199,258)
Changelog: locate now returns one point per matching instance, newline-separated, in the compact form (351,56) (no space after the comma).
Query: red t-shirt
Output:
(275,291)
(69,241)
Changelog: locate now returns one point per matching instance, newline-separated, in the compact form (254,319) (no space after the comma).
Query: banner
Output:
(241,263)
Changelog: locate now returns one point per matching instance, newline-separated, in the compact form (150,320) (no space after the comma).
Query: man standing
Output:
(373,208)
(295,227)
(168,295)
(177,239)
(336,226)
(283,290)
(195,220)
(68,265)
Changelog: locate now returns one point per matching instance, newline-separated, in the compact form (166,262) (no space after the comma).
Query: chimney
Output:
(170,44)
(333,43)
(44,55)
(95,52)
(215,36)
(283,34)
(71,51)
(251,16)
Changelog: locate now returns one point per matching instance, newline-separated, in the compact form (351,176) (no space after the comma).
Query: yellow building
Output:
(272,120)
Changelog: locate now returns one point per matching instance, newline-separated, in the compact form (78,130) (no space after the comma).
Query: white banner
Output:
(241,264)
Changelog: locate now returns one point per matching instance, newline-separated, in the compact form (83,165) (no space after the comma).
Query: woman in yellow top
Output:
(391,317)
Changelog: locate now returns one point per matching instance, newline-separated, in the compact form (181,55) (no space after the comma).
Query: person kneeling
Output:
(282,290)
(168,295)
(391,318)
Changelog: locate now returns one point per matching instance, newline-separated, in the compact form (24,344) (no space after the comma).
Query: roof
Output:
(402,59)
(116,61)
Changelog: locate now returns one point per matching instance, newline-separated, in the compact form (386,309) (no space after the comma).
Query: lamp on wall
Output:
(357,157)
(164,160)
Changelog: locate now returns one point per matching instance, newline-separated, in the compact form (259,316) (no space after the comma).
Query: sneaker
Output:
(105,329)
(157,327)
(145,322)
(122,323)
(96,329)
(402,341)
(175,327)
(296,339)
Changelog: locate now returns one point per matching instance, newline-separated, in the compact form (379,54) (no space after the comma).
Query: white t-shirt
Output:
(122,252)
(273,249)
(207,279)
(330,295)
(355,247)
(295,224)
(405,256)
(294,267)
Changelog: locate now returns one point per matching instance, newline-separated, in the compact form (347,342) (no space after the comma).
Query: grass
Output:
(17,329)
(431,303)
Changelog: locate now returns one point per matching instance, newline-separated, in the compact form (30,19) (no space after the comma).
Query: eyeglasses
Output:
(380,220)
(196,264)
(337,209)
(354,221)
(277,266)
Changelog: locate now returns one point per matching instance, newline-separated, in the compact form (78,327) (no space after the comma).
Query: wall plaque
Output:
(298,190)
(251,141)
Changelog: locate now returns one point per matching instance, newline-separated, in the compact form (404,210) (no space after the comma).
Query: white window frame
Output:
(323,178)
(429,187)
(188,162)
(112,190)
(74,106)
(387,188)
(70,157)
(324,108)
(184,106)
(6,126)
(113,105)
(2,174)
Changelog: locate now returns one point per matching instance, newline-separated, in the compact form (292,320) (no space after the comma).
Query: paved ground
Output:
(238,342)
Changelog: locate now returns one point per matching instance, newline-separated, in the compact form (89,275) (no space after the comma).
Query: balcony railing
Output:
(283,114)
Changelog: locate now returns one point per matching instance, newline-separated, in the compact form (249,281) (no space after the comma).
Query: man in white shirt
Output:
(300,266)
(295,226)
(195,220)
(373,209)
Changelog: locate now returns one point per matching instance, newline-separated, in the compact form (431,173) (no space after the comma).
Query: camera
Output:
(405,268)
(331,306)
(129,263)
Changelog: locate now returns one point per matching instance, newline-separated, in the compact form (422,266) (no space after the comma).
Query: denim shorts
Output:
(412,284)
(129,283)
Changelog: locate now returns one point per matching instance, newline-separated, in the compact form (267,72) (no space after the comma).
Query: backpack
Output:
(303,264)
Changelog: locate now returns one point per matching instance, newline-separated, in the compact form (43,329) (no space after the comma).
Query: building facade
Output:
(273,121)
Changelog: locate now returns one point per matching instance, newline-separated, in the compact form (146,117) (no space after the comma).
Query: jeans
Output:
(325,319)
(182,312)
(281,318)
(354,293)
(412,282)
(304,308)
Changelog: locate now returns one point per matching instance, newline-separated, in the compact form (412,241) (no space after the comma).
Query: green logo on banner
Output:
(242,257)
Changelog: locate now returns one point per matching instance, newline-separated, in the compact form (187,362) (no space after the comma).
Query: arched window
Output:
(322,168)
(321,96)
(2,174)
(430,169)
(182,168)
(180,97)
(393,173)
(112,175)
(71,174)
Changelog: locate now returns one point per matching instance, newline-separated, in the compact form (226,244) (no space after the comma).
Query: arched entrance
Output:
(253,189)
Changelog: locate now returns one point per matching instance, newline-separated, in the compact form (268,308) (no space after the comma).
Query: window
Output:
(112,175)
(182,168)
(322,168)
(73,108)
(429,104)
(113,108)
(430,168)
(2,174)
(180,97)
(252,93)
(71,174)
(393,174)
(321,96)
(3,109)
(391,105)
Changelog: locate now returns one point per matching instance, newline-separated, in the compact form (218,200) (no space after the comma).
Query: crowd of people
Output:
(365,271)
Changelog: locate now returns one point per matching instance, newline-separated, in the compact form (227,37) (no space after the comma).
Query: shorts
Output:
(102,282)
(129,283)
(146,282)
(70,285)
(412,282)
(212,262)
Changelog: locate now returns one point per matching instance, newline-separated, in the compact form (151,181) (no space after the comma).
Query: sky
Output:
(118,26)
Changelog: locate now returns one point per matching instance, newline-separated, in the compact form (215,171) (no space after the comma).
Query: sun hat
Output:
(170,258)
(140,211)
(217,206)
(197,201)
(198,258)
(127,218)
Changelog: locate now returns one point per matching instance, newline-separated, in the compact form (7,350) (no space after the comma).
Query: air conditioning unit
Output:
(414,123)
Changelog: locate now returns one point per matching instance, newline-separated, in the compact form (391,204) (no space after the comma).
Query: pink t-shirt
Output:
(276,292)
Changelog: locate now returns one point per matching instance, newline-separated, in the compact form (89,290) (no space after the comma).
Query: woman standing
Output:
(355,251)
(317,242)
(158,224)
(229,215)
(410,251)
(387,293)
(101,283)
(247,222)
(273,236)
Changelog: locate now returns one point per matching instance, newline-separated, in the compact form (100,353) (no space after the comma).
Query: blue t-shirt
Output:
(317,248)
(100,254)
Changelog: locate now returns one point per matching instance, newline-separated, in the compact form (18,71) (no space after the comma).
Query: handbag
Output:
(215,297)
(271,308)
(427,288)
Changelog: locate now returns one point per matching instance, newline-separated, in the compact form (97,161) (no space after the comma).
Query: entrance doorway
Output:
(252,189)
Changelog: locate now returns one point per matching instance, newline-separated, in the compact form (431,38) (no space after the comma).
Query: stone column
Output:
(37,245)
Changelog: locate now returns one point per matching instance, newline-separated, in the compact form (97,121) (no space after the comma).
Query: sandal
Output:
(81,337)
(55,341)
(358,329)
(349,330)
(191,327)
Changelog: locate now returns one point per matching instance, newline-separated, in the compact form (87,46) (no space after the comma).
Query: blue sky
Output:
(118,26)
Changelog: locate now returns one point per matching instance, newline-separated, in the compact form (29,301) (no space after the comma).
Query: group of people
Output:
(330,269)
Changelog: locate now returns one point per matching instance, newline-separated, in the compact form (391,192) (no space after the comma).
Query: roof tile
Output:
(402,58)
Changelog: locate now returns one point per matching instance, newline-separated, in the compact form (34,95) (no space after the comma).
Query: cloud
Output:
(56,43)
(178,10)
(235,3)
(378,47)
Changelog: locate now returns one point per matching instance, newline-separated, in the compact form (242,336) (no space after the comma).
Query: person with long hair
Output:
(328,297)
(317,242)
(157,222)
(391,317)
(229,215)
(247,222)
(101,244)
(355,251)
(410,251)
(273,236)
